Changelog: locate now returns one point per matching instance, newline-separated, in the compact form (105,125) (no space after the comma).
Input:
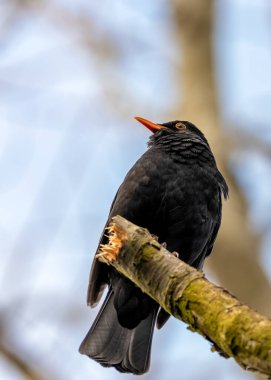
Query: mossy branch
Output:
(235,329)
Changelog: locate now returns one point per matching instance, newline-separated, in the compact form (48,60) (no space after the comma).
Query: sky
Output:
(65,149)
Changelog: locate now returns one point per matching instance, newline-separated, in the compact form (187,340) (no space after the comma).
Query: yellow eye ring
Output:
(180,126)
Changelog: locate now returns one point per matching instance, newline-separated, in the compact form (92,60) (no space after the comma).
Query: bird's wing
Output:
(134,201)
(98,277)
(216,225)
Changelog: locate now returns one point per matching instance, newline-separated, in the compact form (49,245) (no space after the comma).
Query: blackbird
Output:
(174,190)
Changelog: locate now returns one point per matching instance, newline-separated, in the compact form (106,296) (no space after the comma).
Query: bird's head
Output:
(181,137)
(184,129)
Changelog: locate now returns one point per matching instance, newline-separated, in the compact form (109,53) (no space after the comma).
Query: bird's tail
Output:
(112,345)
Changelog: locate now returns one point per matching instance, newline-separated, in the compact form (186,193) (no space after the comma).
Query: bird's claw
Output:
(175,254)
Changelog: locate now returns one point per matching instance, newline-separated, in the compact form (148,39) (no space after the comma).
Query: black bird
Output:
(174,190)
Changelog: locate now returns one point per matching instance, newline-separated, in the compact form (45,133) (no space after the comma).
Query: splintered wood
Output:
(116,238)
(233,327)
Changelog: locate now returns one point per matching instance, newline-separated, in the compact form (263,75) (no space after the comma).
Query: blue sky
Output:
(67,138)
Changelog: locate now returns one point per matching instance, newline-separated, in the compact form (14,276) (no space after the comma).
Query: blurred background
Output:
(73,74)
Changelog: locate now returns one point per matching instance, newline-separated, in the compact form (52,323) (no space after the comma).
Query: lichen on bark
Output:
(234,329)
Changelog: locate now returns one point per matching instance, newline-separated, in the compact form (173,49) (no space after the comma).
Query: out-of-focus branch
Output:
(245,140)
(99,44)
(22,366)
(236,260)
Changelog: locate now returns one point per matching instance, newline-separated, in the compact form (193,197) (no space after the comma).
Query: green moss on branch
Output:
(234,328)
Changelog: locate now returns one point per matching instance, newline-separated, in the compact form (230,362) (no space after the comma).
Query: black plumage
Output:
(174,190)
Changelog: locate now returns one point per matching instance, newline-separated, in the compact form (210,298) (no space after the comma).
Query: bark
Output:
(21,365)
(234,328)
(236,262)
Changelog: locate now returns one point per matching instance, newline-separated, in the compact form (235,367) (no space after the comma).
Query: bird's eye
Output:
(180,126)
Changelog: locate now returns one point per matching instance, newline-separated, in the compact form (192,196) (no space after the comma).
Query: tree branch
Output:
(20,364)
(234,328)
(238,243)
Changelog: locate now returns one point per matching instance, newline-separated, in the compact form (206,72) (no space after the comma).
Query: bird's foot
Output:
(175,254)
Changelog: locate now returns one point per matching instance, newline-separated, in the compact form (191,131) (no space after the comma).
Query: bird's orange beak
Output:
(149,124)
